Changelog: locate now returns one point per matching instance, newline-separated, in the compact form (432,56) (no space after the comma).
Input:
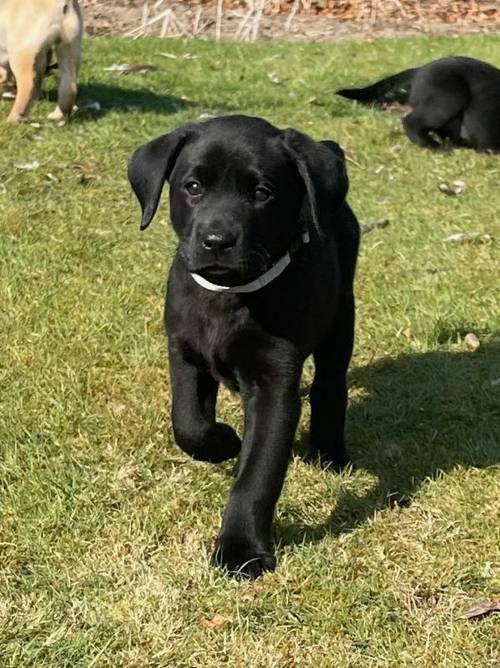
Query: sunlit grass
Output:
(106,527)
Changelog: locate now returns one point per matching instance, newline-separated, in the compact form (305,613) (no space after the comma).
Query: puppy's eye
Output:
(262,194)
(194,188)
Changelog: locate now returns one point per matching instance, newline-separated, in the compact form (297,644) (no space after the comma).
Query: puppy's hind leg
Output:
(40,69)
(329,390)
(23,66)
(435,110)
(418,130)
(452,131)
(68,62)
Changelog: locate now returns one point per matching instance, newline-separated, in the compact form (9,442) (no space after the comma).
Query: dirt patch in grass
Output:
(301,20)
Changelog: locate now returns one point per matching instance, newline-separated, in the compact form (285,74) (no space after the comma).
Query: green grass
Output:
(106,527)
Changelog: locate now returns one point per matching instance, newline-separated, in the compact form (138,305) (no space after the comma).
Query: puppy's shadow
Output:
(411,419)
(119,99)
(126,100)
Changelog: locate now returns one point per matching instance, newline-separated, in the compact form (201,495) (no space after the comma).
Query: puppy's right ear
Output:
(151,165)
(321,166)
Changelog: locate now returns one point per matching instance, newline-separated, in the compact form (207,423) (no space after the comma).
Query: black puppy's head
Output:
(241,192)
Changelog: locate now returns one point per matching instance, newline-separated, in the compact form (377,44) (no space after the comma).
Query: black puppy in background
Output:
(454,98)
(262,278)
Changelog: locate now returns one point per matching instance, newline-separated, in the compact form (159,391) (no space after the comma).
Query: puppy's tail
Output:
(392,89)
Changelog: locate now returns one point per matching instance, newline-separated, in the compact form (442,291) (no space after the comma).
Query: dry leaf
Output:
(481,609)
(476,237)
(166,54)
(173,56)
(395,107)
(375,225)
(29,166)
(125,68)
(216,622)
(453,188)
(407,332)
(471,341)
(91,105)
(117,68)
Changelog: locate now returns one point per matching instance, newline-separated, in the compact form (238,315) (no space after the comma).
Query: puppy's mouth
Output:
(220,274)
(229,272)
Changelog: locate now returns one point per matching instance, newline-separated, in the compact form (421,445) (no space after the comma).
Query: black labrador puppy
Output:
(454,98)
(262,278)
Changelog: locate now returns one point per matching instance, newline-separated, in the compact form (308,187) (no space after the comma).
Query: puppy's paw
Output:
(17,118)
(241,557)
(331,461)
(221,443)
(336,463)
(56,115)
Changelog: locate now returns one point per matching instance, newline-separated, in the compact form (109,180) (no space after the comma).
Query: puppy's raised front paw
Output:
(219,444)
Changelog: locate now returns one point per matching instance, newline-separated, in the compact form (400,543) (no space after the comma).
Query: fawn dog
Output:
(29,31)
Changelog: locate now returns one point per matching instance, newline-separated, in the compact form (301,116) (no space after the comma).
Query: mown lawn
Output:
(106,527)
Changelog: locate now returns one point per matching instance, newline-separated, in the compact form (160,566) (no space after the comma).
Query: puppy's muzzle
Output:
(216,243)
(219,243)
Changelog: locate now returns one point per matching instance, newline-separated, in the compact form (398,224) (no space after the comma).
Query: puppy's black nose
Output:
(218,242)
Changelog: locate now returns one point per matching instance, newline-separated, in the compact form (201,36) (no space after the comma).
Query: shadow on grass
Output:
(117,98)
(419,415)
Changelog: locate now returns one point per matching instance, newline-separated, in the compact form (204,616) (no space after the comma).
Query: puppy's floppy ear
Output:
(321,166)
(151,165)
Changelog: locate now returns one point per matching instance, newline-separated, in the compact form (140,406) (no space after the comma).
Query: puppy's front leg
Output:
(194,393)
(271,416)
(4,75)
(23,66)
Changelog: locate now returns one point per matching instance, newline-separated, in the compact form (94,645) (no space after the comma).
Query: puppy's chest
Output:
(227,344)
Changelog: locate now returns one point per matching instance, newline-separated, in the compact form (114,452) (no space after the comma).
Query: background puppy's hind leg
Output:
(23,66)
(68,62)
(40,69)
(434,111)
(418,131)
(453,131)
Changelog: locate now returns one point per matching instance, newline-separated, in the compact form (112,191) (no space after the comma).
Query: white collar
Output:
(258,283)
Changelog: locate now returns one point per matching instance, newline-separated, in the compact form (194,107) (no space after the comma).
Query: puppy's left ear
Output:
(321,166)
(151,165)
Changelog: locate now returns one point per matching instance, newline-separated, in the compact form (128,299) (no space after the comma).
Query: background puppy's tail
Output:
(392,89)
